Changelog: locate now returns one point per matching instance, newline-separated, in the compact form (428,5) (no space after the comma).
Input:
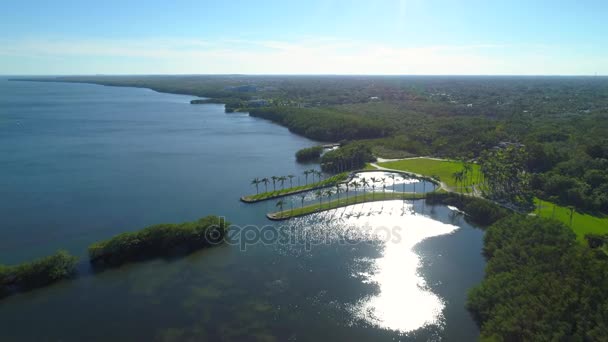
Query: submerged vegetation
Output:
(37,273)
(159,240)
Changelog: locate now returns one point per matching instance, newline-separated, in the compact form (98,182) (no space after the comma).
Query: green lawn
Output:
(440,169)
(582,224)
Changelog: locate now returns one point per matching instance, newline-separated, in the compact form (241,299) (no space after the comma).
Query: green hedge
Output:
(37,273)
(158,240)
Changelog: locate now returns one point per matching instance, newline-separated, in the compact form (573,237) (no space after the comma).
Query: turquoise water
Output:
(80,163)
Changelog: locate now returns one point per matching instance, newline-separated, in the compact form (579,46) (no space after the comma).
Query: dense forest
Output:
(540,284)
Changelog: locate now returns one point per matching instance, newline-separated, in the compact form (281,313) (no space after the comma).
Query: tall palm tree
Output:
(265,181)
(338,190)
(306,173)
(280,204)
(364,184)
(329,193)
(291,177)
(319,194)
(373,179)
(319,174)
(313,172)
(392,177)
(256,182)
(274,182)
(282,180)
(356,186)
(458,177)
(383,181)
(347,189)
(302,197)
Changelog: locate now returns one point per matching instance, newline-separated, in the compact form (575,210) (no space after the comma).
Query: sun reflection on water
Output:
(403,302)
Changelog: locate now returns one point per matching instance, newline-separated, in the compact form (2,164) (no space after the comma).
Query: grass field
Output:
(442,170)
(582,224)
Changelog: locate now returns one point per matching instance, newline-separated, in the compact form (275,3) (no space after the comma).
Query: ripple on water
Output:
(404,301)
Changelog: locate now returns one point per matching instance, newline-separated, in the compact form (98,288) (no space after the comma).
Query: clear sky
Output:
(523,37)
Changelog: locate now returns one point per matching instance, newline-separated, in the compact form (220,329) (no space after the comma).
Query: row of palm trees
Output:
(356,185)
(464,177)
(282,179)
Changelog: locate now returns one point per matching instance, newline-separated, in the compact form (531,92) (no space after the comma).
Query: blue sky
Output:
(307,37)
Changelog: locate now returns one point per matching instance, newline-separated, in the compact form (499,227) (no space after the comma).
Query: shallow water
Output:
(80,163)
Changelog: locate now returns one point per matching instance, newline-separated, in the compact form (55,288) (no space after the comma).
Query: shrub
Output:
(478,210)
(38,273)
(309,154)
(158,240)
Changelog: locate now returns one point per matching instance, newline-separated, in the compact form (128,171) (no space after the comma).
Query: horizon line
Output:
(295,74)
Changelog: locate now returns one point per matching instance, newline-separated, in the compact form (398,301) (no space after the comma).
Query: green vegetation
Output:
(442,170)
(341,202)
(348,157)
(309,154)
(158,240)
(582,223)
(540,285)
(562,121)
(323,124)
(37,273)
(341,177)
(478,210)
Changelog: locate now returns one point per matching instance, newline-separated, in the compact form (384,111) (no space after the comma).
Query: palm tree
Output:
(302,197)
(458,176)
(274,182)
(313,172)
(373,179)
(265,181)
(364,184)
(306,173)
(383,181)
(338,190)
(356,186)
(282,179)
(280,204)
(319,174)
(392,177)
(319,194)
(256,182)
(468,171)
(347,189)
(291,177)
(329,193)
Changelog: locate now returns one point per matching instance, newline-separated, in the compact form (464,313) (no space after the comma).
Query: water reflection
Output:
(403,301)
